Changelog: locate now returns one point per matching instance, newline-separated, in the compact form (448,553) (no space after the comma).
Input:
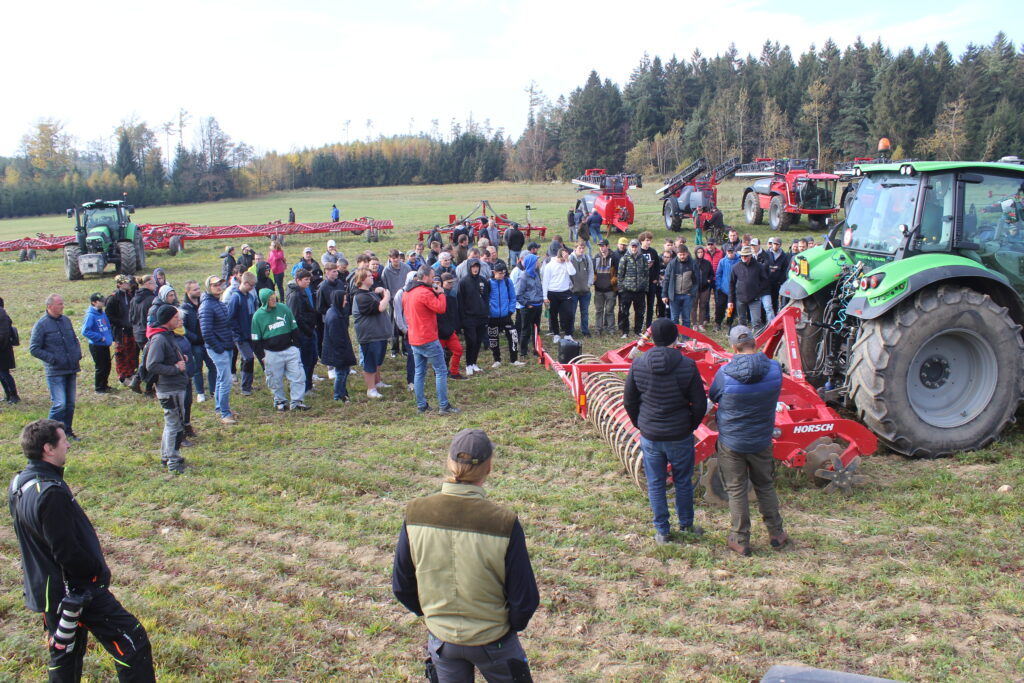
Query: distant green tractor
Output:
(912,311)
(104,234)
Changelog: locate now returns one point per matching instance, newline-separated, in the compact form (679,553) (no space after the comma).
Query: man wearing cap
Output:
(605,288)
(633,283)
(747,281)
(746,390)
(776,264)
(722,283)
(335,214)
(165,362)
(215,326)
(423,301)
(459,533)
(664,397)
(316,273)
(126,352)
(332,254)
(96,328)
(247,258)
(54,342)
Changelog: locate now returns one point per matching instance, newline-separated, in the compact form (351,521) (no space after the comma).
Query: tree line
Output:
(828,103)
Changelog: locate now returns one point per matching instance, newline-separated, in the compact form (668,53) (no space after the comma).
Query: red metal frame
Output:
(801,418)
(483,207)
(158,235)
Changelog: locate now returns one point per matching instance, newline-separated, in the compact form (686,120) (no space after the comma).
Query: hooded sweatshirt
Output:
(746,390)
(273,329)
(474,296)
(422,306)
(96,328)
(158,301)
(529,290)
(337,349)
(664,395)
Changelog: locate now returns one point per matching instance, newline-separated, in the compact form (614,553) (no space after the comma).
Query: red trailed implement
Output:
(484,209)
(808,434)
(172,236)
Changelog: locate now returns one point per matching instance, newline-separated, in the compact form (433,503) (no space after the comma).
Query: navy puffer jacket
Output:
(664,395)
(746,390)
(54,342)
(215,324)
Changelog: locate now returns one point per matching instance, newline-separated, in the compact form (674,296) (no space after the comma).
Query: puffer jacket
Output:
(214,324)
(503,298)
(633,272)
(664,395)
(54,342)
(746,390)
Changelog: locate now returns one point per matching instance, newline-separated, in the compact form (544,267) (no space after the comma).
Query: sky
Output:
(304,73)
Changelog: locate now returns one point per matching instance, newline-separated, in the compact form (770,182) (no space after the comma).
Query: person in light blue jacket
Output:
(502,306)
(96,328)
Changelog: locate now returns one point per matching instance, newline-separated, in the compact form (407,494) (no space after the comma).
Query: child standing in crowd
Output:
(96,328)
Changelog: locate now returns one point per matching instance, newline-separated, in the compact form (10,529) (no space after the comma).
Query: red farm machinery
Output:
(692,189)
(809,435)
(478,217)
(608,195)
(788,189)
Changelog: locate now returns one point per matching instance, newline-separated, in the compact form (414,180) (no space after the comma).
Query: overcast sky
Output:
(284,75)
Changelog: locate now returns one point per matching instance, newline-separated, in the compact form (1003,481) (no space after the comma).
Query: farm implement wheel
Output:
(174,246)
(71,269)
(752,211)
(819,455)
(673,219)
(841,478)
(778,219)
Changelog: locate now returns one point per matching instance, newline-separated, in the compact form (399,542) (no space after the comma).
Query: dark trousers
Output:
(529,324)
(503,661)
(307,353)
(634,300)
(116,629)
(562,322)
(7,381)
(651,298)
(279,281)
(495,327)
(758,469)
(475,335)
(721,303)
(101,357)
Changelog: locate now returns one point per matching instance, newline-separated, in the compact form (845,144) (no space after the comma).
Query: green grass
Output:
(270,559)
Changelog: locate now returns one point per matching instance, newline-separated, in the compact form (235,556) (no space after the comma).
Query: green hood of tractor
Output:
(823,267)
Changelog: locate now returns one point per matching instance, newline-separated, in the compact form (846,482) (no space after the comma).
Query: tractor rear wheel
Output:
(778,219)
(128,263)
(809,335)
(673,218)
(752,210)
(71,269)
(940,373)
(140,252)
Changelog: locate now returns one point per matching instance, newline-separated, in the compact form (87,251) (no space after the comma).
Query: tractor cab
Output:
(817,191)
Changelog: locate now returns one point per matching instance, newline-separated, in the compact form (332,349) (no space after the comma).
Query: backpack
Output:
(143,372)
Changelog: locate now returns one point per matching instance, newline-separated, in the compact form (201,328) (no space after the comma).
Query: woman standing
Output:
(373,328)
(7,356)
(337,347)
(705,283)
(275,258)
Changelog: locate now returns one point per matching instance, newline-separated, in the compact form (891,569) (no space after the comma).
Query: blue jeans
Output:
(658,455)
(679,309)
(63,392)
(769,312)
(433,353)
(583,301)
(513,258)
(222,392)
(201,358)
(307,351)
(341,382)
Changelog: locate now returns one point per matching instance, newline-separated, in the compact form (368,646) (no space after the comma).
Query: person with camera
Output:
(459,533)
(424,299)
(66,577)
(556,279)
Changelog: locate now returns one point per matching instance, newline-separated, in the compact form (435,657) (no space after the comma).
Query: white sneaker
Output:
(200,397)
(373,393)
(496,364)
(469,371)
(331,374)
(569,339)
(518,362)
(412,387)
(625,336)
(353,371)
(477,368)
(556,339)
(381,385)
(318,378)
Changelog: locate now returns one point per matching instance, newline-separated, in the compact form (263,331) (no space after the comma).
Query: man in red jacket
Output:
(423,300)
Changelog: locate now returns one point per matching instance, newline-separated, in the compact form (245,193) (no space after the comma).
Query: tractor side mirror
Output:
(131,208)
(904,228)
(71,213)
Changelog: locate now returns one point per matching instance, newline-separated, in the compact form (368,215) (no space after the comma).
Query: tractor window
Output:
(97,217)
(883,203)
(816,194)
(993,208)
(937,214)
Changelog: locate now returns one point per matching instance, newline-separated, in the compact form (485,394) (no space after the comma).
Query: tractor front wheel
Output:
(71,269)
(778,219)
(752,210)
(128,263)
(673,217)
(940,373)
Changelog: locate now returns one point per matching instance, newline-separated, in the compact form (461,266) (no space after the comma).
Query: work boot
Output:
(779,541)
(692,530)
(136,384)
(738,547)
(662,539)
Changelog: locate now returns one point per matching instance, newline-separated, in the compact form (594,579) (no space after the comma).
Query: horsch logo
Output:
(808,429)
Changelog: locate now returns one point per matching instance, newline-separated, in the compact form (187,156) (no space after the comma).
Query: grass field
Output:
(270,558)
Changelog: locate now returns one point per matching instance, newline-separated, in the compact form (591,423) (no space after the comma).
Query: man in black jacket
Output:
(747,281)
(65,575)
(300,302)
(118,305)
(166,364)
(138,314)
(515,239)
(665,398)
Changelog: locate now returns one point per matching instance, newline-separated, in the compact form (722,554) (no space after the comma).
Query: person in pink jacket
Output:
(275,257)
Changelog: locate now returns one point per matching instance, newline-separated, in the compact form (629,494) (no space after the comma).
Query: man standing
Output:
(582,281)
(679,287)
(459,533)
(605,286)
(776,263)
(556,279)
(393,277)
(229,262)
(331,255)
(65,575)
(592,229)
(633,283)
(335,214)
(423,301)
(654,267)
(165,362)
(276,334)
(722,273)
(96,328)
(664,397)
(300,303)
(126,352)
(54,342)
(746,283)
(138,313)
(746,390)
(214,323)
(515,239)
(241,307)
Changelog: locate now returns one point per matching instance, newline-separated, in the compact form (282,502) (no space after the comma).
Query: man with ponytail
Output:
(459,533)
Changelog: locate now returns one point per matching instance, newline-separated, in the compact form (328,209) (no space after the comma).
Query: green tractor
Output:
(912,310)
(104,234)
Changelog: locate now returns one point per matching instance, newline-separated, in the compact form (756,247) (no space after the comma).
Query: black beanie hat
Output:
(664,332)
(165,313)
